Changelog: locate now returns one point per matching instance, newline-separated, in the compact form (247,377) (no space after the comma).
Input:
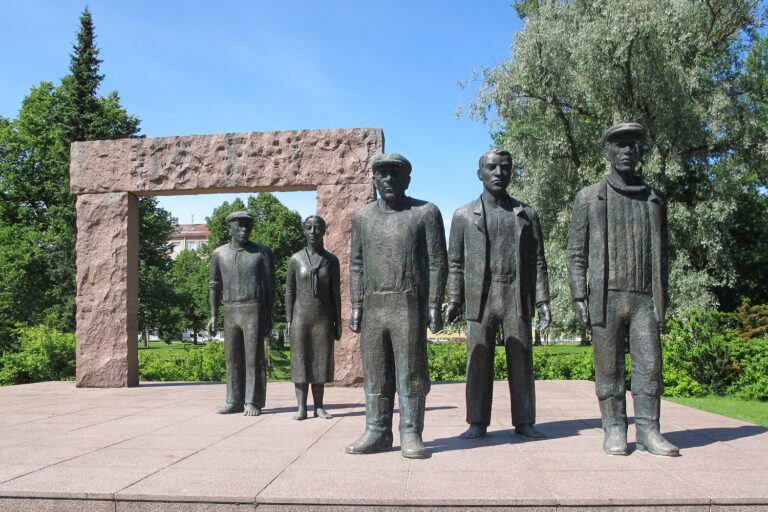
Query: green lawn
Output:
(752,411)
(160,346)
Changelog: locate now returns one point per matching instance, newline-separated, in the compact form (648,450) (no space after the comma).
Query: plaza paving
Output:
(161,447)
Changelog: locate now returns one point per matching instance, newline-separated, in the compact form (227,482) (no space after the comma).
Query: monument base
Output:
(161,447)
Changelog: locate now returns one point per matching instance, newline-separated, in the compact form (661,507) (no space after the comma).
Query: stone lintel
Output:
(229,162)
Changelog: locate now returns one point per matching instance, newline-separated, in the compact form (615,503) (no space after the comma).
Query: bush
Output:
(751,359)
(191,364)
(748,321)
(699,346)
(43,354)
(447,361)
(549,366)
(703,355)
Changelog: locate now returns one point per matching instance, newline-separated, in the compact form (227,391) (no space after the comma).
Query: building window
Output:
(191,246)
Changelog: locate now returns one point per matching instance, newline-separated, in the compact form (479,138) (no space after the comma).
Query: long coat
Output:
(468,279)
(587,249)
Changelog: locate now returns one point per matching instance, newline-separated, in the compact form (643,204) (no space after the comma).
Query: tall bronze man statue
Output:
(496,265)
(397,272)
(243,272)
(619,234)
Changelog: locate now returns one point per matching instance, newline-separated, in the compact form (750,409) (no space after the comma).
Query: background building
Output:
(189,237)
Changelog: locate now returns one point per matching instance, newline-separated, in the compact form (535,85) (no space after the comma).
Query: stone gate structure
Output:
(107,176)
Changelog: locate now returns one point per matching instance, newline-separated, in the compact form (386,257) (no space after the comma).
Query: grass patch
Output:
(279,362)
(752,411)
(161,346)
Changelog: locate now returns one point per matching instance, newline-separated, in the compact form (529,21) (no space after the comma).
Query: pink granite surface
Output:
(161,447)
(108,175)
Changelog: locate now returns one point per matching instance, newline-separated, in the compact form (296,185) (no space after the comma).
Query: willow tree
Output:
(693,72)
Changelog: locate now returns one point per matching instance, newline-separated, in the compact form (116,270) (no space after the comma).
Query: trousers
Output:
(244,354)
(630,317)
(499,311)
(394,349)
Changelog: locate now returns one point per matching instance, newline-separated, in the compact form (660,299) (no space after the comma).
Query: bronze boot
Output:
(614,414)
(411,426)
(378,429)
(649,439)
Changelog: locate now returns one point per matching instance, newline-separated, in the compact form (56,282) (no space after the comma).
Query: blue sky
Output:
(199,67)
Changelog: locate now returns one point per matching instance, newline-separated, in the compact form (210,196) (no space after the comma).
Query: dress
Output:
(313,306)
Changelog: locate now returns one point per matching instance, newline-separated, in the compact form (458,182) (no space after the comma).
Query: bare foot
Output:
(251,410)
(322,413)
(528,430)
(230,409)
(474,431)
(301,414)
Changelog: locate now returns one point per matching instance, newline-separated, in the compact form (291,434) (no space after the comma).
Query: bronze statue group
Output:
(493,270)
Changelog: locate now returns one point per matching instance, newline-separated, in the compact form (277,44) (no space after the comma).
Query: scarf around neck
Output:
(314,270)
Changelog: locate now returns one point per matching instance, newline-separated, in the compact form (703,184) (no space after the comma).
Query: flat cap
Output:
(391,160)
(622,129)
(240,214)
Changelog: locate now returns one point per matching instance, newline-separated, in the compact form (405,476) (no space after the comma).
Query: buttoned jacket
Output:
(468,275)
(587,250)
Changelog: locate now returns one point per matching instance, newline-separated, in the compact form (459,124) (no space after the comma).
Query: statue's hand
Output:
(581,308)
(545,317)
(211,327)
(288,330)
(356,319)
(435,320)
(453,313)
(337,330)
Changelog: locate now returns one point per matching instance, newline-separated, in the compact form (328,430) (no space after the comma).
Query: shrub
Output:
(43,354)
(699,346)
(748,321)
(447,361)
(751,359)
(191,364)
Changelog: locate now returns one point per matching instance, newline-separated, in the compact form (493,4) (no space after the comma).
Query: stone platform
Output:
(161,447)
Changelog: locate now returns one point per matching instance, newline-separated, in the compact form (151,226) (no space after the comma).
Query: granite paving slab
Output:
(161,446)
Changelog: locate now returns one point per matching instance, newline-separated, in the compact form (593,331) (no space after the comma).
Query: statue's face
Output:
(391,183)
(314,231)
(240,229)
(495,173)
(624,153)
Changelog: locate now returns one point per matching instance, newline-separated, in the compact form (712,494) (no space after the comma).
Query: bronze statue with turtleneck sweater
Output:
(618,275)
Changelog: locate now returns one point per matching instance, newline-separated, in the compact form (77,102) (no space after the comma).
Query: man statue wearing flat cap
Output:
(496,266)
(617,271)
(397,274)
(243,273)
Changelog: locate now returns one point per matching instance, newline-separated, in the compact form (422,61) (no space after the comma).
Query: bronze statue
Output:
(243,273)
(397,273)
(313,310)
(496,265)
(619,234)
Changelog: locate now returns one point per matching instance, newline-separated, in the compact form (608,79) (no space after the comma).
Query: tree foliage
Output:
(694,73)
(37,211)
(190,274)
(158,301)
(275,226)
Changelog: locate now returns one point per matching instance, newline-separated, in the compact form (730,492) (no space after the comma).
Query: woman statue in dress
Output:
(313,310)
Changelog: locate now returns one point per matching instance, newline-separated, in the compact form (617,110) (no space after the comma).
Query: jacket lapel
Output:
(479,214)
(601,210)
